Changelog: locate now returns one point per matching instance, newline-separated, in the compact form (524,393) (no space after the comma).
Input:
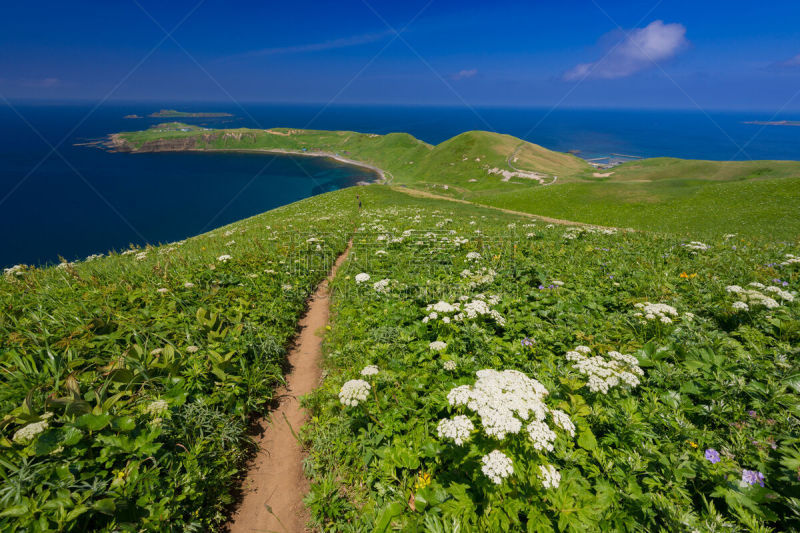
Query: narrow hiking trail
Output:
(275,485)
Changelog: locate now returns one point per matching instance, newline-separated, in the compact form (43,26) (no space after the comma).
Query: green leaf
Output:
(93,422)
(124,423)
(106,505)
(390,511)
(586,439)
(15,510)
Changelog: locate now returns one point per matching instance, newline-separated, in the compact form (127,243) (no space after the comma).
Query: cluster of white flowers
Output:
(473,256)
(449,365)
(497,466)
(477,307)
(606,373)
(696,245)
(156,408)
(549,476)
(27,433)
(457,429)
(353,392)
(477,278)
(504,400)
(573,232)
(141,256)
(753,298)
(791,259)
(437,346)
(16,270)
(369,370)
(188,285)
(361,278)
(660,312)
(224,258)
(382,286)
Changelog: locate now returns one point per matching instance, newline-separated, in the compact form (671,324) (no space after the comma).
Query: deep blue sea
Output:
(81,200)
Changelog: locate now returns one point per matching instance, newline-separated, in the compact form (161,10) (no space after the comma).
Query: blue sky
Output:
(736,54)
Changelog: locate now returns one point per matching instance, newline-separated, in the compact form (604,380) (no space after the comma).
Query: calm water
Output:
(96,201)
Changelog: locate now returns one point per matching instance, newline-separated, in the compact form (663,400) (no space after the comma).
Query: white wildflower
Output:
(224,258)
(369,370)
(497,466)
(156,408)
(458,429)
(361,278)
(549,476)
(382,286)
(354,391)
(437,346)
(449,365)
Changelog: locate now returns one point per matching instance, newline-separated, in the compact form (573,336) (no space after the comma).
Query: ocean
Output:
(80,200)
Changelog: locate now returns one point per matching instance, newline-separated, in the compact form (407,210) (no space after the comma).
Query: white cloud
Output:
(636,51)
(463,74)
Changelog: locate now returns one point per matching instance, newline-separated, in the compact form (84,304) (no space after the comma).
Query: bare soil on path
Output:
(275,485)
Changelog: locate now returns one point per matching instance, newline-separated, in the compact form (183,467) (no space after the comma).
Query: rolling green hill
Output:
(754,198)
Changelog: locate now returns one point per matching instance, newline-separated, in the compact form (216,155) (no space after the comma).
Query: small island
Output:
(132,116)
(171,113)
(774,122)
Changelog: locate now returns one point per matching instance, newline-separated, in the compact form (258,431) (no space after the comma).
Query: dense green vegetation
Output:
(127,382)
(755,198)
(704,437)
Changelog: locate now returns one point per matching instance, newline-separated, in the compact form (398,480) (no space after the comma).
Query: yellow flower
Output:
(692,444)
(684,275)
(423,480)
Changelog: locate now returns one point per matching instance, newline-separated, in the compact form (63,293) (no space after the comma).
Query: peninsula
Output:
(172,113)
(660,194)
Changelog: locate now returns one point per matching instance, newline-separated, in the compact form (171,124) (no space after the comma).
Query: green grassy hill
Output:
(754,198)
(128,382)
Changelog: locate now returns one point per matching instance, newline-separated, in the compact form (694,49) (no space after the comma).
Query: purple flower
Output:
(752,413)
(712,455)
(527,342)
(751,477)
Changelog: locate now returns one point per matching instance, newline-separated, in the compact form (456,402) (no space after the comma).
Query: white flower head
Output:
(457,429)
(549,476)
(497,466)
(361,278)
(354,391)
(437,346)
(369,370)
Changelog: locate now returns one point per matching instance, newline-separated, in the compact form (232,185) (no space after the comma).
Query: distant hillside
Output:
(660,194)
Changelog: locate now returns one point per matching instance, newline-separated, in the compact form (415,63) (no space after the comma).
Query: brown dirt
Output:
(275,485)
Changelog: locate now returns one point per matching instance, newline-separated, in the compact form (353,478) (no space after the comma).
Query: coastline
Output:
(329,155)
(113,144)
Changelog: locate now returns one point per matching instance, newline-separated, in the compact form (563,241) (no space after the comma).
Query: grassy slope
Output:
(662,194)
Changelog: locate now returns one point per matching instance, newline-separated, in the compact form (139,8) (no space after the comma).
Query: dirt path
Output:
(425,194)
(275,485)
